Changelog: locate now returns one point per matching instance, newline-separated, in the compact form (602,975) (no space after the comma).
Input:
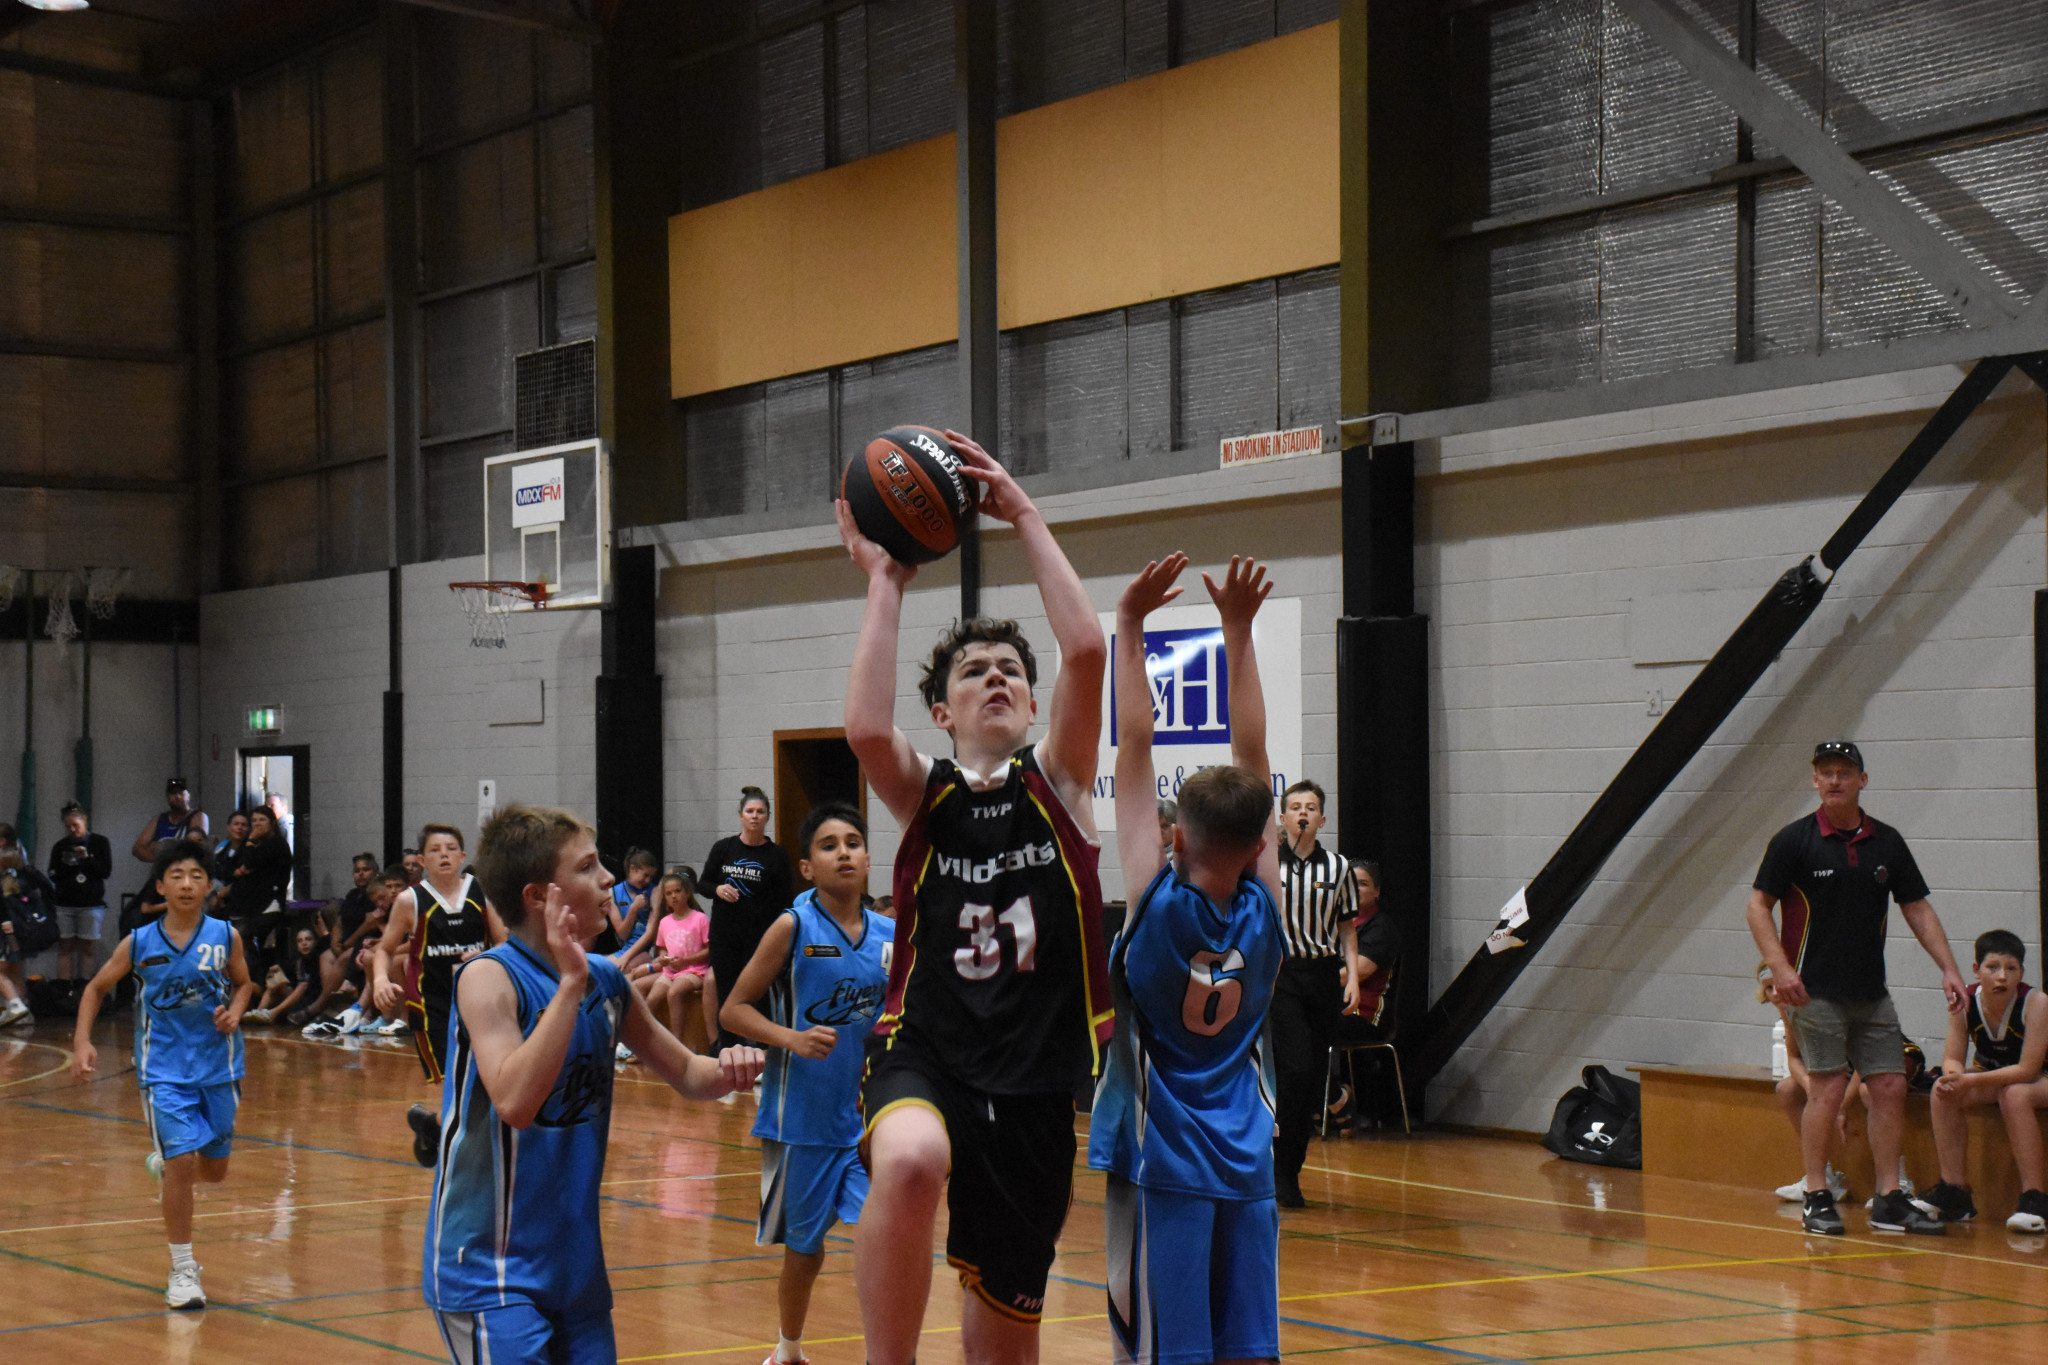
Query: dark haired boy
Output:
(191,989)
(2006,1022)
(513,1265)
(1183,1122)
(812,994)
(998,986)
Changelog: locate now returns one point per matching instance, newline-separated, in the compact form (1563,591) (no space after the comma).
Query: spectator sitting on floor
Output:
(1368,978)
(292,984)
(682,952)
(345,978)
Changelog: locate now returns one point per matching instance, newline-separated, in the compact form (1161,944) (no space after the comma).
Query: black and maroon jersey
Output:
(1837,886)
(999,969)
(445,934)
(2002,1047)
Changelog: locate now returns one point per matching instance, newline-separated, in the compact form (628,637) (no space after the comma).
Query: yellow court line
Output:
(831,1341)
(61,1066)
(1918,1249)
(1594,1274)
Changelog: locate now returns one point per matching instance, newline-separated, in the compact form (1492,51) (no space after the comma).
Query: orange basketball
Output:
(908,494)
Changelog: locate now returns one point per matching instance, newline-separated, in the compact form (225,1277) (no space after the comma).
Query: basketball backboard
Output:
(547,520)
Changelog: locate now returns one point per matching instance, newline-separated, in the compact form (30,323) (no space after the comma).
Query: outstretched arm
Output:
(1074,726)
(692,1074)
(1238,599)
(1139,848)
(893,768)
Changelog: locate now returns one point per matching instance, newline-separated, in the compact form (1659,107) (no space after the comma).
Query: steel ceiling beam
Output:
(562,20)
(1891,219)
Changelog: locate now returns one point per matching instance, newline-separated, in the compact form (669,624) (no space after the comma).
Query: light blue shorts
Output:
(520,1334)
(804,1190)
(191,1118)
(1191,1279)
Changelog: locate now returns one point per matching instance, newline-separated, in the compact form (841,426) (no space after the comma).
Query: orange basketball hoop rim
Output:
(488,601)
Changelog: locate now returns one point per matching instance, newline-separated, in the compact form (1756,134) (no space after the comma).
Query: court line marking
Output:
(64,1065)
(1929,1330)
(1645,1213)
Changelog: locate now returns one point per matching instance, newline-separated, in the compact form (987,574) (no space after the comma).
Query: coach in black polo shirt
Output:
(1836,871)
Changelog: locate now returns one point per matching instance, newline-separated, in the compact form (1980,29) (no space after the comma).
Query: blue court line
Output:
(239,1137)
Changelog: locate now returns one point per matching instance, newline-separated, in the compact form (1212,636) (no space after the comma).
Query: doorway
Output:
(811,768)
(283,779)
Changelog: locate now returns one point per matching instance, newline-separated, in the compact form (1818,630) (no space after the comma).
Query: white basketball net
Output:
(59,624)
(102,589)
(487,611)
(13,578)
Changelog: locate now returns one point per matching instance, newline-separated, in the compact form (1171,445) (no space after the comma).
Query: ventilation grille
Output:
(556,398)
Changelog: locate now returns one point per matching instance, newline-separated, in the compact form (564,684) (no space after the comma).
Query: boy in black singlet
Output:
(2006,1023)
(998,1002)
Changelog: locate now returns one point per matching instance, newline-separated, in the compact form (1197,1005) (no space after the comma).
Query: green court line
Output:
(1704,1317)
(1914,1284)
(246,1310)
(1790,1341)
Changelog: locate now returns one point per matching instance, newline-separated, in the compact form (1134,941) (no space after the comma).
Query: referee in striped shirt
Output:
(1318,913)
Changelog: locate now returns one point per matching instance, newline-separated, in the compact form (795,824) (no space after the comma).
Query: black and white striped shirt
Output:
(1317,896)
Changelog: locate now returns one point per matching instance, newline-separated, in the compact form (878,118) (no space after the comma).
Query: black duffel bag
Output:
(35,924)
(1599,1122)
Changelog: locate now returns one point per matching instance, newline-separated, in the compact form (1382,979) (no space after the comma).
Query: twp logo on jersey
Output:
(180,991)
(587,1086)
(1824,872)
(1015,860)
(849,1003)
(992,812)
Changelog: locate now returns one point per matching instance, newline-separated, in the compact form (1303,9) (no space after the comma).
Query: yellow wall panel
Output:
(1196,178)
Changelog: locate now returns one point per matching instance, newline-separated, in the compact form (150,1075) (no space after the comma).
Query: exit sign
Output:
(265,720)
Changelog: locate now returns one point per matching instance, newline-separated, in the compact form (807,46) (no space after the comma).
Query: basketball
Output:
(908,494)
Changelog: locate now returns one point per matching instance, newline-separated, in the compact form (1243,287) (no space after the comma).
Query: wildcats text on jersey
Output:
(984,871)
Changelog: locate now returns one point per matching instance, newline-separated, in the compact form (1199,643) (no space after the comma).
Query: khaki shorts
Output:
(1863,1035)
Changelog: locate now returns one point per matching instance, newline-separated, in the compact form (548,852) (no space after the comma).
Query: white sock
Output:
(181,1256)
(787,1350)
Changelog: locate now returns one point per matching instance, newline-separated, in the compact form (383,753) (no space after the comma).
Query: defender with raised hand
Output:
(998,999)
(1183,1122)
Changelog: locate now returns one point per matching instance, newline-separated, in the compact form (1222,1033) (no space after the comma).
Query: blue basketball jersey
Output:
(831,980)
(176,991)
(1186,1102)
(514,1211)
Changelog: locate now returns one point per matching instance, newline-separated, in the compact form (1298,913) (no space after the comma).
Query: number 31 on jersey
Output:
(982,957)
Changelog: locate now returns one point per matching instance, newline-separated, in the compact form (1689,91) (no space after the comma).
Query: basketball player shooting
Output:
(998,1003)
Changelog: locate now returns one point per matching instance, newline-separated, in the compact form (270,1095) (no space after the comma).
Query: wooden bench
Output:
(1722,1124)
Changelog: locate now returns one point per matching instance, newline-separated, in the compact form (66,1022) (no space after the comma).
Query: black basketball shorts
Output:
(428,1017)
(1012,1175)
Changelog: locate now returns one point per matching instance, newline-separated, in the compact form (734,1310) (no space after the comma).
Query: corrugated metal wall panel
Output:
(1147,36)
(1050,50)
(1791,52)
(454,476)
(469,344)
(275,536)
(353,531)
(352,109)
(850,85)
(1228,380)
(352,370)
(93,418)
(273,138)
(1867,294)
(1667,288)
(1787,314)
(21,267)
(1896,64)
(1211,27)
(1991,199)
(910,72)
(916,386)
(576,302)
(98,149)
(1065,404)
(1656,122)
(792,105)
(353,250)
(272,421)
(568,185)
(1289,15)
(471,74)
(566,71)
(270,276)
(22,448)
(800,467)
(1148,381)
(108,288)
(476,211)
(725,450)
(1310,321)
(1542,298)
(1543,116)
(18,135)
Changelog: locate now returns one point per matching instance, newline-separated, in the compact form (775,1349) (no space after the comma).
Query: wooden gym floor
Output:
(1442,1248)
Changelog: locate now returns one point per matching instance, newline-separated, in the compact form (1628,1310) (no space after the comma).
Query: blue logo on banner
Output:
(535,494)
(1190,685)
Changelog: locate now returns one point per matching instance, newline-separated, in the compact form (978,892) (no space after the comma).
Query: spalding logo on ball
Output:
(908,495)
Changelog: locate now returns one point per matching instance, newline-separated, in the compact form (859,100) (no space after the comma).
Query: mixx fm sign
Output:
(538,493)
(1189,679)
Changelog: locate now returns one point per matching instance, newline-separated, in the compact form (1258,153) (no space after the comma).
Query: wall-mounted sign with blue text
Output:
(1190,684)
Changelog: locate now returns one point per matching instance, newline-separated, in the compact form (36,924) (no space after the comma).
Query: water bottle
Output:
(1781,1066)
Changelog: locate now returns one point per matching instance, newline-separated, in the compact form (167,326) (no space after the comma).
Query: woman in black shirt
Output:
(750,879)
(254,901)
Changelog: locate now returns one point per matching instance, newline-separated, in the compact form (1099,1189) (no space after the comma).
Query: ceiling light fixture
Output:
(57,5)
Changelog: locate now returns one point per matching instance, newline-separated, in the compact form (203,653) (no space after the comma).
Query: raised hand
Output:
(1001,498)
(870,558)
(570,959)
(1243,591)
(1151,589)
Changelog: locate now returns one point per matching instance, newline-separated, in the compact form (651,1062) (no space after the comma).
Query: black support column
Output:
(974,36)
(629,733)
(1383,709)
(402,487)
